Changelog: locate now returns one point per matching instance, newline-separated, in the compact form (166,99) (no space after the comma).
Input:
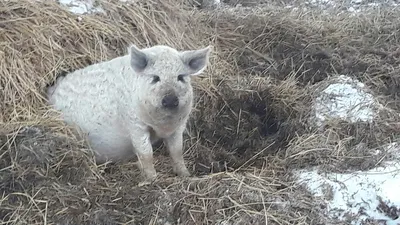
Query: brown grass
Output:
(248,130)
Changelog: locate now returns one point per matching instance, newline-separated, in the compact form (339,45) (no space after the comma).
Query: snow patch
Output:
(322,3)
(358,195)
(80,6)
(211,4)
(345,99)
(352,6)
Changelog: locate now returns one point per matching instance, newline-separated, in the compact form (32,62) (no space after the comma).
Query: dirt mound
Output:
(249,126)
(42,170)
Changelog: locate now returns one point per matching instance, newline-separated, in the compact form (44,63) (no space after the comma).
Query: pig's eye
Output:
(181,78)
(155,79)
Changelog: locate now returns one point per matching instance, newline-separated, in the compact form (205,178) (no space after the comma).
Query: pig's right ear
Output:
(138,59)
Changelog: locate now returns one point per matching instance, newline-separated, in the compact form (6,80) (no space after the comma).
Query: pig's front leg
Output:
(174,144)
(142,146)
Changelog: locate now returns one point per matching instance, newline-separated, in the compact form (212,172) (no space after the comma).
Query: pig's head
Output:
(164,78)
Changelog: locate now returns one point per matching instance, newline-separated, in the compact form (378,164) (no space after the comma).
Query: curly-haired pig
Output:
(126,104)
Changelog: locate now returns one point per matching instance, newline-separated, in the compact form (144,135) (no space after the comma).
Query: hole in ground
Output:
(239,127)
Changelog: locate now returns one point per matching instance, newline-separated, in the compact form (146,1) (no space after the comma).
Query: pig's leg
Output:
(142,146)
(174,144)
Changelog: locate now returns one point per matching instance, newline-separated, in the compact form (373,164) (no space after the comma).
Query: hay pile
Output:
(248,129)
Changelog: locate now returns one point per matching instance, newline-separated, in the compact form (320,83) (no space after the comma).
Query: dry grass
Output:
(248,130)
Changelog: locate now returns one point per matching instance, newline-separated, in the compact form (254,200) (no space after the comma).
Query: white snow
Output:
(357,193)
(345,99)
(80,6)
(352,6)
(352,9)
(321,3)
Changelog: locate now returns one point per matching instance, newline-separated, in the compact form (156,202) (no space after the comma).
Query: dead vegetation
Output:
(249,127)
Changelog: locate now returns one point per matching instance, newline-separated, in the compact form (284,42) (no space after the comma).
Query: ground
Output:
(295,121)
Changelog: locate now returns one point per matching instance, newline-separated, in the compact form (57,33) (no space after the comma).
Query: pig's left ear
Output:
(196,60)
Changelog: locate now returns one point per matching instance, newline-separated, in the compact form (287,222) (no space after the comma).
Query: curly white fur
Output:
(118,103)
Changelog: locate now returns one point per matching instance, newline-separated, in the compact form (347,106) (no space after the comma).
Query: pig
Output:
(130,102)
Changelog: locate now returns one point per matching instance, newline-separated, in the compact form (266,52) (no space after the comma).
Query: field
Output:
(296,119)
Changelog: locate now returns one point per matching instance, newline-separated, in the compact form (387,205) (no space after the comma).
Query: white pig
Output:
(126,104)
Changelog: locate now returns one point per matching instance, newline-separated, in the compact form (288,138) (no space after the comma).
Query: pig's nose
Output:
(170,101)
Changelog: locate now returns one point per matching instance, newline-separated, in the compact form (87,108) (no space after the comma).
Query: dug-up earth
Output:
(294,103)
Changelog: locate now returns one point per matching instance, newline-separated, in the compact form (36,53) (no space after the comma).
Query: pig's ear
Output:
(196,60)
(138,59)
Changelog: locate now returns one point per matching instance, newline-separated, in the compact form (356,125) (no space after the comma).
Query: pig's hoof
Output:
(149,177)
(182,171)
(144,183)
